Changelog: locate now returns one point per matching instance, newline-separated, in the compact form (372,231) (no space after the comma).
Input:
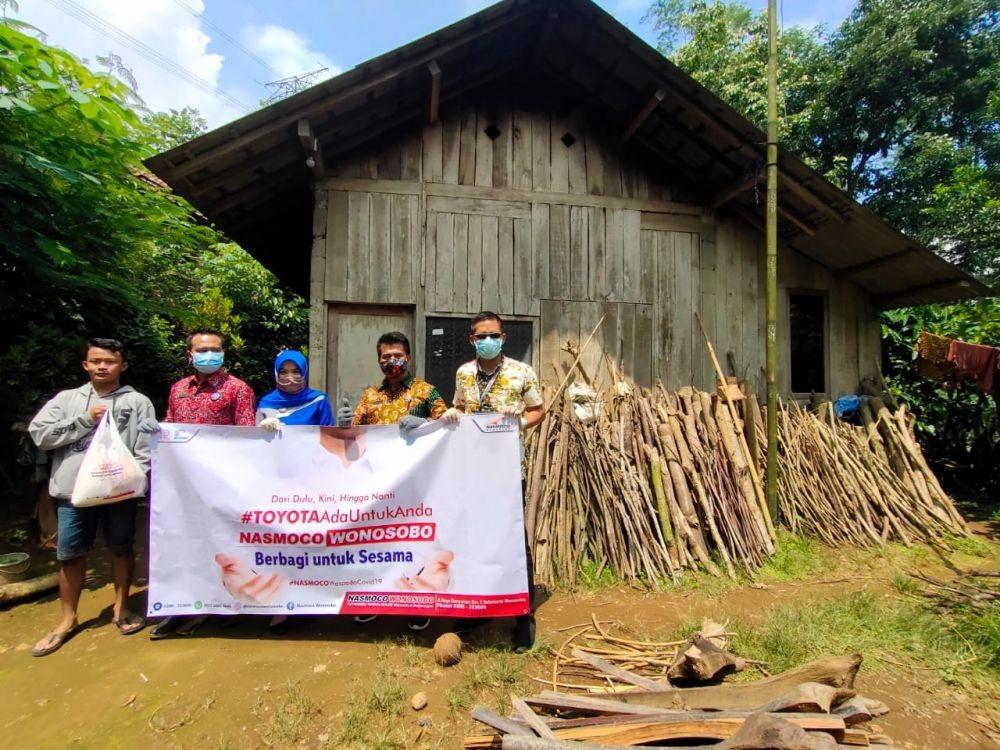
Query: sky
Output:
(217,55)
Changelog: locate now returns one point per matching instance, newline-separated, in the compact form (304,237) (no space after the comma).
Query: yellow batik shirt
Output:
(381,404)
(515,383)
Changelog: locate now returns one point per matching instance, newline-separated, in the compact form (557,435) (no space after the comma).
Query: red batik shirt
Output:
(222,399)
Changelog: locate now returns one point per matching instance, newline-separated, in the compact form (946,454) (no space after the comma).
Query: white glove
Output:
(452,415)
(511,411)
(271,424)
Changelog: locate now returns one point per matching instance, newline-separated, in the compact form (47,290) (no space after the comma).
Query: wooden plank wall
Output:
(452,221)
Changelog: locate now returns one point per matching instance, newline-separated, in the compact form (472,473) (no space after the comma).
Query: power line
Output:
(111,31)
(201,17)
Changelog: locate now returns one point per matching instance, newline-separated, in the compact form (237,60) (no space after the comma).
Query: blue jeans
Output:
(78,528)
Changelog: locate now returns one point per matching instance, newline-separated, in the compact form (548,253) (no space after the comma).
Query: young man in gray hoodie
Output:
(65,426)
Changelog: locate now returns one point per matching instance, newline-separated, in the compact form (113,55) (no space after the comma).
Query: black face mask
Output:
(393,368)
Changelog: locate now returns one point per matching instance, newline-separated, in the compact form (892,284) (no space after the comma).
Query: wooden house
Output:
(540,160)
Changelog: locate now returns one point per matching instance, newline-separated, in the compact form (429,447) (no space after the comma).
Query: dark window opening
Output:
(568,139)
(448,348)
(807,338)
(492,131)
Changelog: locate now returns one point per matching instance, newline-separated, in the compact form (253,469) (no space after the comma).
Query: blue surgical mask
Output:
(489,348)
(207,362)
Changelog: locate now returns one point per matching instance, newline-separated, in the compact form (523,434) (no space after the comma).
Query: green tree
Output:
(90,246)
(172,128)
(899,106)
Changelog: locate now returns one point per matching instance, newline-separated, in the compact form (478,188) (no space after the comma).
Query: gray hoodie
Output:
(64,427)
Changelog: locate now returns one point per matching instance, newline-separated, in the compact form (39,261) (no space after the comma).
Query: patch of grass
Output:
(592,576)
(901,630)
(796,558)
(490,677)
(970,545)
(904,584)
(288,720)
(371,719)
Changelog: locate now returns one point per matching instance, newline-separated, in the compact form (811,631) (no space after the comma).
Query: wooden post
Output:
(435,71)
(771,353)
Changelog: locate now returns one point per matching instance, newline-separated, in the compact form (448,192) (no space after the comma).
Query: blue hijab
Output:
(308,406)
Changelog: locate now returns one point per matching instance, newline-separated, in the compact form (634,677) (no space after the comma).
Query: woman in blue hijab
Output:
(293,402)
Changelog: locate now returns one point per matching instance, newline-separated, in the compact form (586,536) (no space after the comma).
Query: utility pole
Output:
(771,360)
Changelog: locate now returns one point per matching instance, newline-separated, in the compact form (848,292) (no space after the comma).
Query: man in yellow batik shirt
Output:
(399,399)
(495,383)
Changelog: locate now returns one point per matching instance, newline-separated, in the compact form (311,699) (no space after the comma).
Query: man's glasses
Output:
(484,336)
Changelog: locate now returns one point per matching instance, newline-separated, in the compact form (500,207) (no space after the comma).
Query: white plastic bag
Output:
(586,405)
(109,472)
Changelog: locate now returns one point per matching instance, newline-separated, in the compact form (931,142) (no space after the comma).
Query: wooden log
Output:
(553,701)
(709,725)
(810,697)
(515,742)
(836,671)
(531,718)
(620,674)
(703,661)
(15,592)
(491,719)
(768,732)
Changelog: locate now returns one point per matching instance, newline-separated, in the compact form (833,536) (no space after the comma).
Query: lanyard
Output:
(484,392)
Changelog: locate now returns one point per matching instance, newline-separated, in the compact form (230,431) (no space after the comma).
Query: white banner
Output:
(325,520)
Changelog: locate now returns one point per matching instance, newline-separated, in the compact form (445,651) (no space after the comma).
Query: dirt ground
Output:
(233,685)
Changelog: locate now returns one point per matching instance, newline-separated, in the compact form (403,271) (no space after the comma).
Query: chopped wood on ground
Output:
(812,707)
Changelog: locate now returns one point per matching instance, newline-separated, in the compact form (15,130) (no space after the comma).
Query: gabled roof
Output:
(250,177)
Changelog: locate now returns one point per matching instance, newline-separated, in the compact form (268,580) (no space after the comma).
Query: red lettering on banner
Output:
(434,605)
(393,532)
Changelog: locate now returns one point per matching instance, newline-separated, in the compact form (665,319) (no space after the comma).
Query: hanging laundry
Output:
(975,362)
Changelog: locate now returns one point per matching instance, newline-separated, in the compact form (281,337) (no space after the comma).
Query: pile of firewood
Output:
(656,483)
(651,482)
(860,484)
(684,698)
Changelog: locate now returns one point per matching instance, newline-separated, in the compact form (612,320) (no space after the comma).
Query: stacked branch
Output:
(862,485)
(652,482)
(656,483)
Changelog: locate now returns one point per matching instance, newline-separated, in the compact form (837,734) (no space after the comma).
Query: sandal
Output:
(54,641)
(129,624)
(191,624)
(164,628)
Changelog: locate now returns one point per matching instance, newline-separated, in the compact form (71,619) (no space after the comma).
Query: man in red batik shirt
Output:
(209,396)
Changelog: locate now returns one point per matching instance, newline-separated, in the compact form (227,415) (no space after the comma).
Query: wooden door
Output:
(352,363)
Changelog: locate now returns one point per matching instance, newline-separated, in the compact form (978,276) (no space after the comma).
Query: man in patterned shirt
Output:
(209,396)
(399,399)
(494,383)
